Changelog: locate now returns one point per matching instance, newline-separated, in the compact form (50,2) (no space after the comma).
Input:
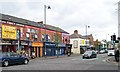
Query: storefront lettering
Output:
(8,32)
(49,44)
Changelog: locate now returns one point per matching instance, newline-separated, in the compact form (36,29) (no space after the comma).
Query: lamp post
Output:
(86,34)
(45,7)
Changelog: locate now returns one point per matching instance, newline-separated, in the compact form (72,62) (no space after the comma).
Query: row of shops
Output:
(40,49)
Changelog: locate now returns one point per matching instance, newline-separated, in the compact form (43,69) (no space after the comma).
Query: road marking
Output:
(74,59)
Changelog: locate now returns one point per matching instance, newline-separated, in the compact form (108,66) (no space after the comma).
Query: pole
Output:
(113,42)
(18,40)
(45,26)
(86,36)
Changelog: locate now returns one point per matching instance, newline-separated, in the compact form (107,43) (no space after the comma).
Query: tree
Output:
(96,44)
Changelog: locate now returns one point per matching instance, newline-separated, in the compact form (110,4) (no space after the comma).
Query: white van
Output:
(111,52)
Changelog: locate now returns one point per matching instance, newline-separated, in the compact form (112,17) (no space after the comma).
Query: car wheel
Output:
(83,57)
(25,61)
(5,63)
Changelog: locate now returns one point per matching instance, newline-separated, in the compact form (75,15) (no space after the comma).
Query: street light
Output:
(86,34)
(45,7)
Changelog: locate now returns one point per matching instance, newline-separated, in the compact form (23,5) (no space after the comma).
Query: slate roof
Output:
(75,36)
(30,23)
(78,36)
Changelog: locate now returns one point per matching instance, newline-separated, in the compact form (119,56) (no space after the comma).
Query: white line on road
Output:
(74,59)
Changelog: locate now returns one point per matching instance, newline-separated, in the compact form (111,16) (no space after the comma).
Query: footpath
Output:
(54,57)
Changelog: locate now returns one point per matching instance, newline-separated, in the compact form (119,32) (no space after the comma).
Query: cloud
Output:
(69,15)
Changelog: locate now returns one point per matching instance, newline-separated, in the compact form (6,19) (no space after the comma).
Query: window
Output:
(43,37)
(28,30)
(27,36)
(54,37)
(35,37)
(75,44)
(48,38)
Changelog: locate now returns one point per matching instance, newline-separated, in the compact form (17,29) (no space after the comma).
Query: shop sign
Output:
(61,45)
(24,43)
(8,32)
(5,42)
(83,42)
(37,44)
(49,44)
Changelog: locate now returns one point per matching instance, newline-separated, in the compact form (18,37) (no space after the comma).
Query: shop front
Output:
(8,35)
(68,48)
(60,49)
(0,40)
(49,49)
(36,49)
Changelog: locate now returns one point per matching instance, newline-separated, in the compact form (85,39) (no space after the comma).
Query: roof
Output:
(84,37)
(30,23)
(78,36)
(75,36)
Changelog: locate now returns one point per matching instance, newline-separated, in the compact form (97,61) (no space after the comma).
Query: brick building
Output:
(17,33)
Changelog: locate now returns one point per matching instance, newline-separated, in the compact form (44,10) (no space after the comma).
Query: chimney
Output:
(41,22)
(75,31)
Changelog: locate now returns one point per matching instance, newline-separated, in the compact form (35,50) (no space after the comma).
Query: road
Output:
(67,63)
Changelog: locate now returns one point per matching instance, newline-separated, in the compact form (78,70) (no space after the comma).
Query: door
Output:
(38,51)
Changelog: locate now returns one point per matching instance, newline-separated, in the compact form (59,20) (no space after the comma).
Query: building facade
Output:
(80,43)
(17,34)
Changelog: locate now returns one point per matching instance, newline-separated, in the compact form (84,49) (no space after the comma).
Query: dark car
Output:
(10,58)
(90,54)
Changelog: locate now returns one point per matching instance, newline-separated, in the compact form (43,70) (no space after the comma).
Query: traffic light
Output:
(113,38)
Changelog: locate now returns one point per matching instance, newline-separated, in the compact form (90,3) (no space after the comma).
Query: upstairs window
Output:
(27,36)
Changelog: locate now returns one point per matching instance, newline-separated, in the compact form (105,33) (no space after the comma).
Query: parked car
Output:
(10,58)
(90,54)
(111,52)
(102,51)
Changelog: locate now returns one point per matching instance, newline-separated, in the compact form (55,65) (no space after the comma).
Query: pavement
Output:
(60,56)
(112,60)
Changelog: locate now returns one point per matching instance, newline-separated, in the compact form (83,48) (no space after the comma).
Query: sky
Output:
(69,15)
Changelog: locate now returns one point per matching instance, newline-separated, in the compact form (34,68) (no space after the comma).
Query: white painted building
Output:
(77,41)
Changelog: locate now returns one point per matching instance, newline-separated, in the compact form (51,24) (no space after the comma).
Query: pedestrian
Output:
(117,55)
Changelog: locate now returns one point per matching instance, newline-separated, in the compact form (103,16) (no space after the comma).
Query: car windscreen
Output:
(88,52)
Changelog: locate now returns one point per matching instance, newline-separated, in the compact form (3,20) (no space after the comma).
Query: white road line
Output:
(74,59)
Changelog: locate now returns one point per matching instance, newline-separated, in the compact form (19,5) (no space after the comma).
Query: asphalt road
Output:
(67,63)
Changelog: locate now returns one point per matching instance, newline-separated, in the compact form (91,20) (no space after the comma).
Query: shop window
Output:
(27,36)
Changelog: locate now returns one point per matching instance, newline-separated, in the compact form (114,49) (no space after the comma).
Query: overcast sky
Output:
(70,15)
